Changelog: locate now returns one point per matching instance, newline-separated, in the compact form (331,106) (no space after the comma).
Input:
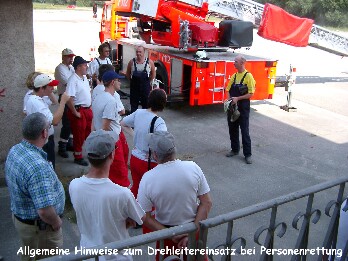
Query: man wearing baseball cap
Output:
(79,113)
(109,205)
(106,117)
(62,73)
(173,186)
(43,86)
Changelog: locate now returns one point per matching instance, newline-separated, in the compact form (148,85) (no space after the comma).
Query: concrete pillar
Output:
(17,61)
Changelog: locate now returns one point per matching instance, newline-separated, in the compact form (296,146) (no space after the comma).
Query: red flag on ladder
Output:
(278,25)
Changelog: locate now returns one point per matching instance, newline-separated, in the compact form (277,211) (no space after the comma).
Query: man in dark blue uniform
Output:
(240,88)
(140,71)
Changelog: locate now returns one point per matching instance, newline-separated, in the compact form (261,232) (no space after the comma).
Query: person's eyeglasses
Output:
(48,127)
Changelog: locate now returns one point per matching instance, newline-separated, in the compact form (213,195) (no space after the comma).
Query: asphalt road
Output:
(291,150)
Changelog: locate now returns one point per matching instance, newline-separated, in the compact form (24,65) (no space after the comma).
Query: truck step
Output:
(217,89)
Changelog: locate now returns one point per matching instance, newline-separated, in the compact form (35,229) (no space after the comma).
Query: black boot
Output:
(62,149)
(69,146)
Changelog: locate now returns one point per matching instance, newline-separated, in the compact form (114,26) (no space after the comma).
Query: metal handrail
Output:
(218,220)
(309,215)
(332,210)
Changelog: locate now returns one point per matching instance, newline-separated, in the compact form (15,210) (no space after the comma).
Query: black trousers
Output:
(139,90)
(233,127)
(49,149)
(138,96)
(65,131)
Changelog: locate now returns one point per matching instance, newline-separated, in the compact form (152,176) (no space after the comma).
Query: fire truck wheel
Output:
(161,75)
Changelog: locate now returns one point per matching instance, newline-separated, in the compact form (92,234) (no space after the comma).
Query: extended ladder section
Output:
(247,10)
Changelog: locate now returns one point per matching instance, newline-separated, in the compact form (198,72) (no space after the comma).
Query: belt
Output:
(30,221)
(80,106)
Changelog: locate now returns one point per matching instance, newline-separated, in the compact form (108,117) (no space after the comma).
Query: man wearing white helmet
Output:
(43,86)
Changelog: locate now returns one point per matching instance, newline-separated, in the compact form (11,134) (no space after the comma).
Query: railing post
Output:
(302,239)
(270,235)
(161,244)
(202,241)
(192,244)
(331,233)
(228,240)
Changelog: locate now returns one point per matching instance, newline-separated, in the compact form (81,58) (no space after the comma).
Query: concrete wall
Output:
(17,61)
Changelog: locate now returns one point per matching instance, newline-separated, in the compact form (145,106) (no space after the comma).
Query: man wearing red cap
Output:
(80,113)
(62,73)
(43,86)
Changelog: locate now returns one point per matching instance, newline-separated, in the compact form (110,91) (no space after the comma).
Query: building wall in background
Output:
(17,61)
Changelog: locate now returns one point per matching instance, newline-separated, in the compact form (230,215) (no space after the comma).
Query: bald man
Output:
(240,89)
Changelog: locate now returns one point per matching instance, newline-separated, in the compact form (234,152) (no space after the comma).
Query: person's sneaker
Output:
(62,149)
(231,154)
(63,154)
(81,162)
(248,160)
(69,145)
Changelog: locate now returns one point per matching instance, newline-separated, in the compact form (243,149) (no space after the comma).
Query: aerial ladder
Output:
(247,10)
(198,10)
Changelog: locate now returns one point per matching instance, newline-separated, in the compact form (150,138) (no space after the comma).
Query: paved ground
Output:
(291,151)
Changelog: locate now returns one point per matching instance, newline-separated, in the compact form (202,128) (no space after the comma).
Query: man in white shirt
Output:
(80,113)
(92,72)
(174,187)
(62,73)
(106,117)
(104,210)
(43,86)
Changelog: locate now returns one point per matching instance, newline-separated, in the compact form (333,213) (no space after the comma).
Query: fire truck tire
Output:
(162,75)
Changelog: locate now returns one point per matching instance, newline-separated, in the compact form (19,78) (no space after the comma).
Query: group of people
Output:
(165,191)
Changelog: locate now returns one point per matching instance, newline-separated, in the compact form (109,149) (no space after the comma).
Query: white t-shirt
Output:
(79,89)
(46,99)
(173,189)
(62,73)
(105,107)
(102,208)
(37,104)
(140,120)
(94,65)
(120,106)
(100,88)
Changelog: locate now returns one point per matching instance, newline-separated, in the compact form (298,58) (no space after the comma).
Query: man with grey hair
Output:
(174,187)
(240,89)
(111,208)
(37,195)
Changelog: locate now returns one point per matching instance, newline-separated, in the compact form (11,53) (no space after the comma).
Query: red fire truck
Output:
(194,59)
(174,30)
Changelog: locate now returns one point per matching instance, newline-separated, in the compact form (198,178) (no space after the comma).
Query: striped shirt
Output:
(32,182)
